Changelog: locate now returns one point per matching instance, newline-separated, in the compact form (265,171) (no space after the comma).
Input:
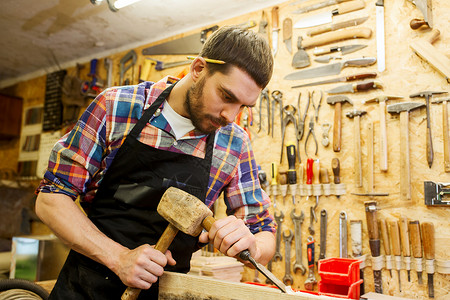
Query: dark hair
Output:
(242,48)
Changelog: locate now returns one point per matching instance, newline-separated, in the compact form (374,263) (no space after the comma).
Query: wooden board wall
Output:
(405,74)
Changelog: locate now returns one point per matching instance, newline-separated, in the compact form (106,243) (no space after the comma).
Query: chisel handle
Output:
(336,166)
(416,242)
(395,237)
(371,217)
(385,237)
(404,236)
(275,21)
(428,239)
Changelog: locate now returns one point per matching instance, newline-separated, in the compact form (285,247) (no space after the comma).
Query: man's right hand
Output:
(142,266)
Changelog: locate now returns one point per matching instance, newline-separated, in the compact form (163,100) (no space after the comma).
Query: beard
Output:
(194,105)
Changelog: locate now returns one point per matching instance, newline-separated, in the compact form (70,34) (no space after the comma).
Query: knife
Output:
(356,87)
(275,30)
(317,6)
(339,79)
(327,17)
(335,36)
(343,49)
(336,26)
(332,69)
(287,34)
(380,35)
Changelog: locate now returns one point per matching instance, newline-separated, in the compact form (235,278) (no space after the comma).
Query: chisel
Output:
(395,240)
(428,248)
(386,245)
(416,245)
(374,243)
(404,238)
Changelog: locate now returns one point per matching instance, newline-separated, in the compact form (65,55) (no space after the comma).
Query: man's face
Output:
(214,101)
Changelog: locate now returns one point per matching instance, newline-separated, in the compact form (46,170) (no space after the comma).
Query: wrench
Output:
(298,220)
(269,267)
(312,218)
(287,279)
(323,233)
(343,235)
(311,280)
(279,219)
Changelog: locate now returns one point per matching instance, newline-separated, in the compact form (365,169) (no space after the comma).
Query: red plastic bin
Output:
(340,291)
(341,271)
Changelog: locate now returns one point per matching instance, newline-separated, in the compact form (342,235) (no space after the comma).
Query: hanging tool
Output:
(356,87)
(374,243)
(445,133)
(336,36)
(316,106)
(336,26)
(383,134)
(395,241)
(356,236)
(327,16)
(273,183)
(144,76)
(379,5)
(275,30)
(356,115)
(343,253)
(300,58)
(406,249)
(427,95)
(311,132)
(405,174)
(301,119)
(416,245)
(298,221)
(325,181)
(336,167)
(279,218)
(345,49)
(287,238)
(262,177)
(160,65)
(191,44)
(436,193)
(309,179)
(386,245)
(317,187)
(287,34)
(331,69)
(323,234)
(426,7)
(277,99)
(282,183)
(264,98)
(289,112)
(317,6)
(326,59)
(126,62)
(291,173)
(425,50)
(262,29)
(311,280)
(339,79)
(337,101)
(428,249)
(325,129)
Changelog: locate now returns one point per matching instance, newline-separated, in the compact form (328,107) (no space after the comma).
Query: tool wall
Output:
(373,166)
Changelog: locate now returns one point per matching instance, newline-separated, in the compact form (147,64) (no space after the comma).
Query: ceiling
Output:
(39,37)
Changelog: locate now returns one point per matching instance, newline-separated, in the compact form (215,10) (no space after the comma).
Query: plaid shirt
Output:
(80,158)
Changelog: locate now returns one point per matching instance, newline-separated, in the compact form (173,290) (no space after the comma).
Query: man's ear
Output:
(197,68)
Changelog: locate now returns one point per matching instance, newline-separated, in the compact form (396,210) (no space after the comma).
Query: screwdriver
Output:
(309,176)
(292,173)
(273,183)
(416,245)
(428,249)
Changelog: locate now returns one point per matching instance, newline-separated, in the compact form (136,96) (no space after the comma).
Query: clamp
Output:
(311,131)
(289,111)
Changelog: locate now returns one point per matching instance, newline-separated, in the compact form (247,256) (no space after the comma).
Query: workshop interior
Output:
(351,137)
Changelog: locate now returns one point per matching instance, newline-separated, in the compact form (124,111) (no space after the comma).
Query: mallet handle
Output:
(162,245)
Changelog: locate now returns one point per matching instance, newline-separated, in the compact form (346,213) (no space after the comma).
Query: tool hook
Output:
(311,132)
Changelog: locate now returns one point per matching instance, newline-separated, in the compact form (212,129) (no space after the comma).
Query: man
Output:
(131,144)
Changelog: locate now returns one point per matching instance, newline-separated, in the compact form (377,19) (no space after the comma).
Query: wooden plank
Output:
(177,284)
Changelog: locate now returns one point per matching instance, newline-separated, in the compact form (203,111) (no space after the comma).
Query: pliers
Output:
(311,131)
(301,120)
(289,111)
(316,108)
(277,98)
(264,97)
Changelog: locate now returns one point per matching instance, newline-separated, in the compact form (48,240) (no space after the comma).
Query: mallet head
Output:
(183,210)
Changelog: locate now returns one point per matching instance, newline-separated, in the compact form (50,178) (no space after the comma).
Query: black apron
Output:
(124,208)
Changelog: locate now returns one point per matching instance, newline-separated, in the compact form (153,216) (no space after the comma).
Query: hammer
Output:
(405,176)
(427,95)
(356,115)
(337,102)
(189,214)
(445,132)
